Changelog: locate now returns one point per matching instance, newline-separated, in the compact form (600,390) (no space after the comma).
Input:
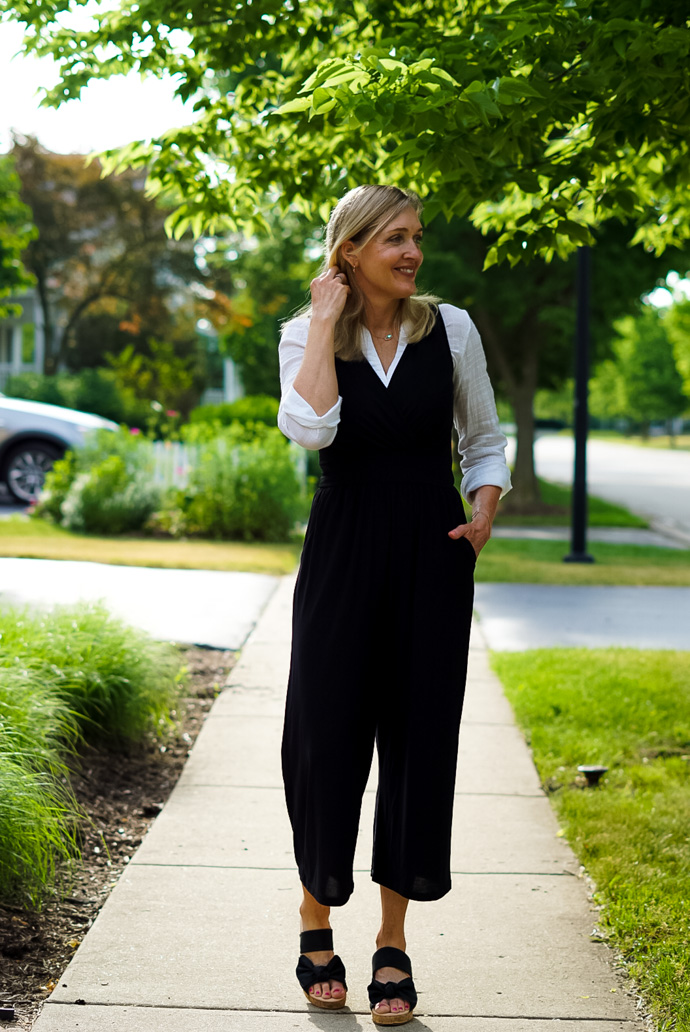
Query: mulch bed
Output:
(123,794)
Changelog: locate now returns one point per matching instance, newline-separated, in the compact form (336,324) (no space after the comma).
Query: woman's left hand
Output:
(477,532)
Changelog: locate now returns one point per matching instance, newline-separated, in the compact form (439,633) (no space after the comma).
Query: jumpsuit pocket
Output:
(466,543)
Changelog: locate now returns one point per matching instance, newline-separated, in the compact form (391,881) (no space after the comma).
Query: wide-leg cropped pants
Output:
(381,621)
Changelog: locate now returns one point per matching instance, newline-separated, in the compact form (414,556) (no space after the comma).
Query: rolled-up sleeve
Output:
(296,417)
(480,442)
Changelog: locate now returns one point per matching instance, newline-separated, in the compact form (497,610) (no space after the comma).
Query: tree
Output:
(537,118)
(106,273)
(540,122)
(526,317)
(644,384)
(268,282)
(16,230)
(678,326)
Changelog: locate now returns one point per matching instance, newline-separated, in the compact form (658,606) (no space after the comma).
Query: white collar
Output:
(372,355)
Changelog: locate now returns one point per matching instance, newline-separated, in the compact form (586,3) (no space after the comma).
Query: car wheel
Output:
(26,466)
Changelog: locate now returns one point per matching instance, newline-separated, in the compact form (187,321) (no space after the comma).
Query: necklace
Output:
(384,336)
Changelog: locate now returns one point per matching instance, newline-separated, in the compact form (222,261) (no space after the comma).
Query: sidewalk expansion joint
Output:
(488,723)
(341,1014)
(239,716)
(369,791)
(506,795)
(356,870)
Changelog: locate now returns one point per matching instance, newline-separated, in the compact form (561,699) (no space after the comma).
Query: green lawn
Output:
(600,513)
(541,562)
(630,711)
(38,539)
(532,562)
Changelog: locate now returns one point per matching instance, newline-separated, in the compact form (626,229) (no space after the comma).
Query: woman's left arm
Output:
(478,531)
(481,444)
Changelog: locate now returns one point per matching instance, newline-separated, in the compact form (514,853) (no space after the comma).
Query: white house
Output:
(21,338)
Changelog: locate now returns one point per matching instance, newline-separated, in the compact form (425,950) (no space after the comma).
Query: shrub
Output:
(109,500)
(56,488)
(114,681)
(70,676)
(35,387)
(104,487)
(255,408)
(244,488)
(37,828)
(37,811)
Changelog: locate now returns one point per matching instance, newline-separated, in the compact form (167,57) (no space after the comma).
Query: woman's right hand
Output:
(329,292)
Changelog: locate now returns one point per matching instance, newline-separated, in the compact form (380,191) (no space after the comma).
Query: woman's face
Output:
(388,264)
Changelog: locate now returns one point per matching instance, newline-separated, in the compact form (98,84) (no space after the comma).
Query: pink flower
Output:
(135,430)
(172,413)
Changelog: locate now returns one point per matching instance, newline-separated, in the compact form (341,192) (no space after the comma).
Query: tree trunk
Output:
(49,363)
(671,430)
(525,492)
(525,495)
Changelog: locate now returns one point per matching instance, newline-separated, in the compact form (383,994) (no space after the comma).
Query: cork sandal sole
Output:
(325,1004)
(392,1019)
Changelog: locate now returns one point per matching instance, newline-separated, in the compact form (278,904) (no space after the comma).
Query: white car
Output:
(33,435)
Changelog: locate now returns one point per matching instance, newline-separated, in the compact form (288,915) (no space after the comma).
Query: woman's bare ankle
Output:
(313,915)
(391,937)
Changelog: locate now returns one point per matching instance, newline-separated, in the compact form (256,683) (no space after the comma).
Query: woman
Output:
(374,376)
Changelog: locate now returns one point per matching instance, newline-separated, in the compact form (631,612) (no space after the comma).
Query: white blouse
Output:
(481,444)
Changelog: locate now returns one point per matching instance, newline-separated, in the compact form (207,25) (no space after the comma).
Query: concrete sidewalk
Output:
(199,607)
(201,931)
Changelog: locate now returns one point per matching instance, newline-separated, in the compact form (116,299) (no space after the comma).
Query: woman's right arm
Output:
(316,381)
(310,407)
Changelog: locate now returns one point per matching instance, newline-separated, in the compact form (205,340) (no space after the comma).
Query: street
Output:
(653,482)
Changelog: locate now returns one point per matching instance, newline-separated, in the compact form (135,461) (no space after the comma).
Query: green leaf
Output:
(322,101)
(389,65)
(299,104)
(346,76)
(484,103)
(441,73)
(320,74)
(576,231)
(626,199)
(527,180)
(516,88)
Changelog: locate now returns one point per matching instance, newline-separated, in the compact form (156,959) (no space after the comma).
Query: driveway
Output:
(9,506)
(535,616)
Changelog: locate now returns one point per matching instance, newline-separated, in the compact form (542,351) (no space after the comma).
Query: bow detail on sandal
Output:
(389,956)
(309,974)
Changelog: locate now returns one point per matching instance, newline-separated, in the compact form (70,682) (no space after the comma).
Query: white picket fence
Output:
(173,463)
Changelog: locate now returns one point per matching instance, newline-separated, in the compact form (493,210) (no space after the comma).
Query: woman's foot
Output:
(390,974)
(313,918)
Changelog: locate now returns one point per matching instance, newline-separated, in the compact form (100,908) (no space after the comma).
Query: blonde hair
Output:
(359,216)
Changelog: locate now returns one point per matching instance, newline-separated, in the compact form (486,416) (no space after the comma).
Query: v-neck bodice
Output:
(397,424)
(372,356)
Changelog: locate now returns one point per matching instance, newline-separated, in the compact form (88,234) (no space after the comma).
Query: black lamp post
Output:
(578,535)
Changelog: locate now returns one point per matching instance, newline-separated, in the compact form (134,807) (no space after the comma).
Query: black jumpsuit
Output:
(381,623)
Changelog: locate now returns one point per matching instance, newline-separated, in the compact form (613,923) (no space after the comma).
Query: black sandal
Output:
(389,956)
(309,973)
